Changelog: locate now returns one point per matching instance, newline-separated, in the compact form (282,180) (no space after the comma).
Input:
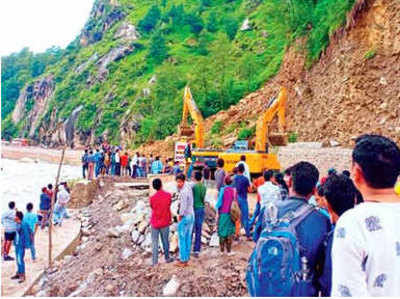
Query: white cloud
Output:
(40,24)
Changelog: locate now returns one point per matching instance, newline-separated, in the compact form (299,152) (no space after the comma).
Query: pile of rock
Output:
(139,221)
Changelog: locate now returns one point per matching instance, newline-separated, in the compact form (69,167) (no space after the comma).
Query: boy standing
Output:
(10,227)
(199,194)
(32,220)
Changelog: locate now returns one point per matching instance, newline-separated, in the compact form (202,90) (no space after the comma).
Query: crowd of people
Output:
(329,236)
(114,161)
(20,228)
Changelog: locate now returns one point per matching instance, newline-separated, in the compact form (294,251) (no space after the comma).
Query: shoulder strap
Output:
(298,215)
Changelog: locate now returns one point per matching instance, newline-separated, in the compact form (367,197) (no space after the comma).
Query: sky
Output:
(40,24)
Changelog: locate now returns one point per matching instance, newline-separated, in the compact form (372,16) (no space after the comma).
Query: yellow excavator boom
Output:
(189,106)
(277,106)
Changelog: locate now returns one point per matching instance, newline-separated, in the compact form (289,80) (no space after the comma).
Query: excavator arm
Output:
(190,107)
(277,106)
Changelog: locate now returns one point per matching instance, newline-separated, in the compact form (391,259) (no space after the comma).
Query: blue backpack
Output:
(276,267)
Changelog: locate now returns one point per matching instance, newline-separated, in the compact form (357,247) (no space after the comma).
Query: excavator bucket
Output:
(278,139)
(186,131)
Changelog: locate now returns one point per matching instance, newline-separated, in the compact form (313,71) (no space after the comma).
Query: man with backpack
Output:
(287,255)
(366,244)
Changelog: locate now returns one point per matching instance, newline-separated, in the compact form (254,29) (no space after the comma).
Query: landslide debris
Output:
(114,255)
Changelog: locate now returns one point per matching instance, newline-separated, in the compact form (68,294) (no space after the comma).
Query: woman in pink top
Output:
(226,228)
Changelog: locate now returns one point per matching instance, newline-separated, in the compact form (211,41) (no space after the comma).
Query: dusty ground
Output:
(97,267)
(62,237)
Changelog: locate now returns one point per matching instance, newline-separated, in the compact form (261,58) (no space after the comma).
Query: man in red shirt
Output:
(160,204)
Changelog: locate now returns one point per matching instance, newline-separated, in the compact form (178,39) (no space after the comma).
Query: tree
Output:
(231,27)
(212,25)
(149,22)
(195,22)
(158,50)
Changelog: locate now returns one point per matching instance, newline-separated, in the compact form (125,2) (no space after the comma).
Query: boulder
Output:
(98,246)
(113,232)
(128,218)
(245,25)
(135,236)
(171,287)
(214,242)
(126,253)
(173,243)
(82,194)
(333,143)
(122,204)
(142,226)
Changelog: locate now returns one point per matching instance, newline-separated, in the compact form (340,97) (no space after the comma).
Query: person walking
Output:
(23,241)
(32,220)
(85,163)
(160,221)
(45,206)
(186,219)
(60,208)
(226,228)
(366,243)
(199,195)
(91,163)
(10,228)
(242,185)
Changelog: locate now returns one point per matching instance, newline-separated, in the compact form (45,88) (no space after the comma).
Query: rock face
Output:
(82,194)
(32,104)
(100,20)
(127,32)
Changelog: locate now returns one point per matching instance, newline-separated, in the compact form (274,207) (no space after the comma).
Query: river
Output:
(22,181)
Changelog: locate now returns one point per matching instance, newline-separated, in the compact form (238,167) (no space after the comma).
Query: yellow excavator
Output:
(202,156)
(259,159)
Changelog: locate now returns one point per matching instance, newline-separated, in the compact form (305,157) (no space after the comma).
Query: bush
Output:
(216,127)
(292,137)
(149,22)
(246,133)
(370,54)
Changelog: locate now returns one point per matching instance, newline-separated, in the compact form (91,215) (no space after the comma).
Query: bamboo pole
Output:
(52,207)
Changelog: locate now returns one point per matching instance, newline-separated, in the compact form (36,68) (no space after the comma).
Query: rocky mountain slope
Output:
(353,89)
(122,78)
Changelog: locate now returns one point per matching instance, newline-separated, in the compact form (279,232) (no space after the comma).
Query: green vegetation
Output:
(181,42)
(246,133)
(216,127)
(370,54)
(292,138)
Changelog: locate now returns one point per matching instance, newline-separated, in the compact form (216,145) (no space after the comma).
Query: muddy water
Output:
(22,181)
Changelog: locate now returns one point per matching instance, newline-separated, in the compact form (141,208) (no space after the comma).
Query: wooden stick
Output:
(52,207)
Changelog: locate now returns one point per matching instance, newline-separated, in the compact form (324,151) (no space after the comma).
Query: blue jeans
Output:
(143,171)
(32,248)
(20,255)
(164,233)
(185,228)
(255,215)
(60,212)
(244,209)
(97,169)
(198,224)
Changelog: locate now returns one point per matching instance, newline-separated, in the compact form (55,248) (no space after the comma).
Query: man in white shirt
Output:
(269,193)
(246,167)
(366,245)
